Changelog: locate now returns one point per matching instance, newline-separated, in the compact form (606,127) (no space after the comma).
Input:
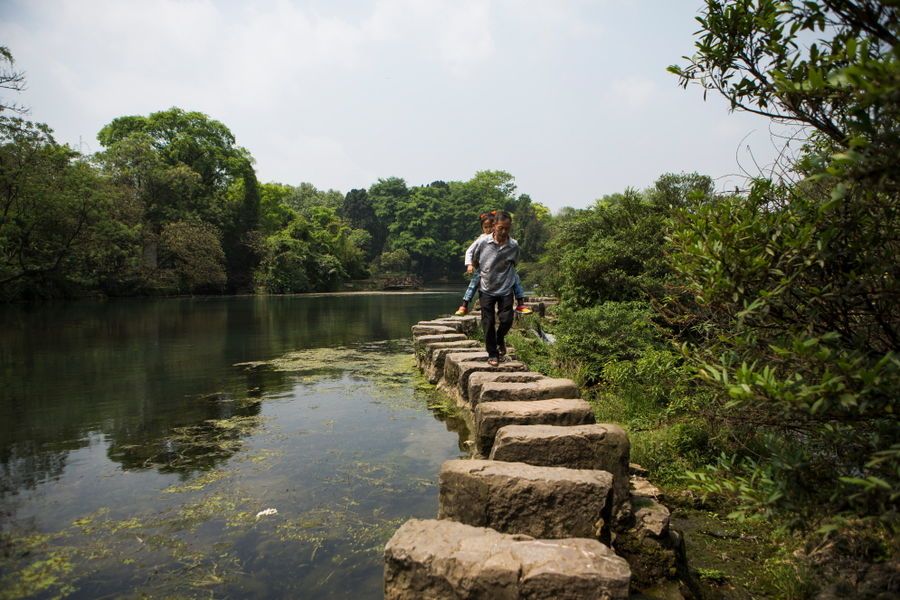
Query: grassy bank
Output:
(734,554)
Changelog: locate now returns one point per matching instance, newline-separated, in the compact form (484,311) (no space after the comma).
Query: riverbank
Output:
(734,555)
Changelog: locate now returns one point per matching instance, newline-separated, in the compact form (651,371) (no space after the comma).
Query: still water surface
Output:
(244,447)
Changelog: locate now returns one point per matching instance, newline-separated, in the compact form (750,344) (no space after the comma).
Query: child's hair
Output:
(502,215)
(488,216)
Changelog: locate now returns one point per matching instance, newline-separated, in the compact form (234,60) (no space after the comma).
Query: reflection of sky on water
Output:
(427,445)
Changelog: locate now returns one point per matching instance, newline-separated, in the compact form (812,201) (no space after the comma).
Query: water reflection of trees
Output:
(141,372)
(198,446)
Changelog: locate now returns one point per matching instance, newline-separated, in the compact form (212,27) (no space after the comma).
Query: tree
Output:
(615,250)
(51,205)
(790,293)
(192,258)
(10,79)
(182,165)
(359,212)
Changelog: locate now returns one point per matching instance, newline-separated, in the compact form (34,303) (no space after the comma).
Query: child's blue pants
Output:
(476,279)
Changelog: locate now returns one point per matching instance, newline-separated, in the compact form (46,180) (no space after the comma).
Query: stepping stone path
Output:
(444,559)
(532,514)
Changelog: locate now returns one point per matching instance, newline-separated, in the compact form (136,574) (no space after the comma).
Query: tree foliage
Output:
(790,294)
(53,208)
(184,166)
(10,79)
(615,250)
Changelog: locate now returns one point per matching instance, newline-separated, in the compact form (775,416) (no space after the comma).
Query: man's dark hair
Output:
(502,215)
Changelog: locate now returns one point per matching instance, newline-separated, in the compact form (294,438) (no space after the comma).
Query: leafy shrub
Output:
(590,338)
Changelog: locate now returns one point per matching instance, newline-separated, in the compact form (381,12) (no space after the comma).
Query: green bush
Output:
(590,338)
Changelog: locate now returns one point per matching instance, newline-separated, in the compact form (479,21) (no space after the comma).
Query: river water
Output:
(243,447)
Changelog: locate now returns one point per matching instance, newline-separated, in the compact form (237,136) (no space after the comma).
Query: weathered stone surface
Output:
(542,389)
(601,446)
(430,359)
(430,329)
(425,355)
(469,368)
(420,341)
(466,324)
(654,550)
(432,560)
(649,514)
(476,380)
(458,368)
(430,347)
(653,560)
(491,416)
(641,486)
(435,370)
(543,502)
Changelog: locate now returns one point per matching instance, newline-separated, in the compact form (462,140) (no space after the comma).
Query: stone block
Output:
(421,341)
(458,366)
(431,329)
(650,514)
(465,369)
(476,380)
(432,560)
(466,324)
(491,416)
(541,389)
(435,370)
(601,446)
(425,356)
(543,502)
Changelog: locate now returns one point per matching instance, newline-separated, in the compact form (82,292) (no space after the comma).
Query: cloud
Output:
(456,34)
(631,93)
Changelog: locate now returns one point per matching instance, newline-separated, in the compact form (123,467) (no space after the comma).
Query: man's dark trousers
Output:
(495,336)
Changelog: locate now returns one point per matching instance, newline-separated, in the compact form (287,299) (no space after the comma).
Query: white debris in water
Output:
(267,512)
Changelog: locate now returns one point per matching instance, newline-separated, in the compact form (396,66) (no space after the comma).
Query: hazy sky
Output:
(571,97)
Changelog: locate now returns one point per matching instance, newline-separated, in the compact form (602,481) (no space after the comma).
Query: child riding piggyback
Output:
(487,229)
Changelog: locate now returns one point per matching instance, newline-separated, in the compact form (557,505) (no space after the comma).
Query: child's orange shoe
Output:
(462,311)
(523,310)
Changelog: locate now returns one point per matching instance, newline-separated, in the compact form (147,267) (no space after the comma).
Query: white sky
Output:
(571,97)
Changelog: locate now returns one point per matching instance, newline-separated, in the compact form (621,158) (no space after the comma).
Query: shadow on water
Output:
(213,446)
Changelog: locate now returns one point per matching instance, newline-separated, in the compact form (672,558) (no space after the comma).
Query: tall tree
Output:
(181,165)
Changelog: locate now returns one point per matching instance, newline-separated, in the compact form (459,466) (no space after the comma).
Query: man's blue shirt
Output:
(497,265)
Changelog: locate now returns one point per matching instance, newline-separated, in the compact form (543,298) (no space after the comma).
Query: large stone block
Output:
(543,502)
(458,368)
(435,370)
(466,324)
(491,416)
(420,342)
(424,354)
(476,380)
(542,389)
(437,560)
(431,329)
(469,368)
(601,446)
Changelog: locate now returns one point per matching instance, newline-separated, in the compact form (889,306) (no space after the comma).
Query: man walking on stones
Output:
(495,258)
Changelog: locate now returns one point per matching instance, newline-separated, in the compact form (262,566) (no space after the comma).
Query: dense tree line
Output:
(171,205)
